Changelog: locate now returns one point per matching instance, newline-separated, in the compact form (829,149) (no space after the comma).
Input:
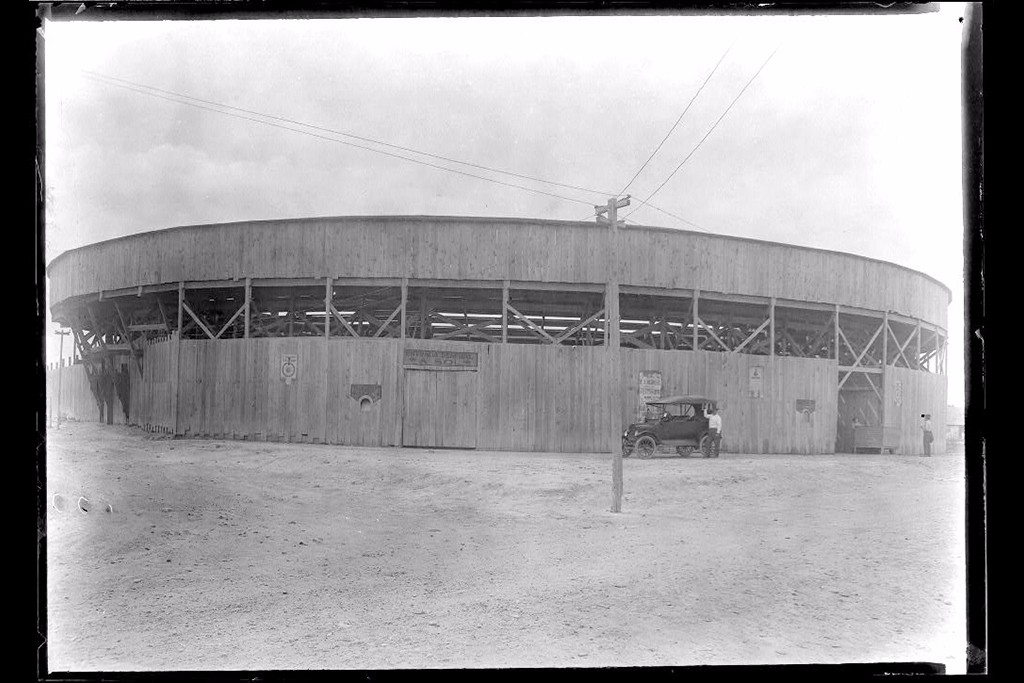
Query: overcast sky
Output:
(848,139)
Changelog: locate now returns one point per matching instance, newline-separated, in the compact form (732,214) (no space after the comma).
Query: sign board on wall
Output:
(649,390)
(757,381)
(897,394)
(430,359)
(289,367)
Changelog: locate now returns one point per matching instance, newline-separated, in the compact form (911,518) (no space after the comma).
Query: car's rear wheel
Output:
(645,447)
(705,445)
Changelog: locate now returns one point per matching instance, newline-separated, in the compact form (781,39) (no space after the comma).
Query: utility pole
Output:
(60,368)
(612,342)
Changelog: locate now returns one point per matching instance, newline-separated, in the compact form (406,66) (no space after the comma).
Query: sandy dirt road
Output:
(238,555)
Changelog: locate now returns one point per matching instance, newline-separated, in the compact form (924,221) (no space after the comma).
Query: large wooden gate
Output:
(440,409)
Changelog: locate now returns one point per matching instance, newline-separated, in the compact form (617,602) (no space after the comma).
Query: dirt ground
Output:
(239,555)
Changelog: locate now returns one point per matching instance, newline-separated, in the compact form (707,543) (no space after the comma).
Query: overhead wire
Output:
(344,134)
(710,130)
(676,124)
(341,142)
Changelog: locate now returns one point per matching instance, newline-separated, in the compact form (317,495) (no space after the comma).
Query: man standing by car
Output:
(714,430)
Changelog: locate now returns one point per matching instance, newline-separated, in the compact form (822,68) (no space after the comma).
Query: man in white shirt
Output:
(926,429)
(714,430)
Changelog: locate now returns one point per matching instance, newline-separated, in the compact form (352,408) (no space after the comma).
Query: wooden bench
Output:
(876,439)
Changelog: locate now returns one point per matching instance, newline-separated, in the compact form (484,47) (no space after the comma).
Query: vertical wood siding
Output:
(494,249)
(922,393)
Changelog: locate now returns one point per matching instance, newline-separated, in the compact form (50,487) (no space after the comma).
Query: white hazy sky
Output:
(849,139)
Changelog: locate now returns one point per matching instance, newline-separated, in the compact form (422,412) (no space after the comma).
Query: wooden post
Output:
(405,297)
(177,355)
(917,358)
(504,312)
(423,314)
(771,327)
(696,317)
(328,297)
(248,308)
(885,366)
(615,374)
(835,336)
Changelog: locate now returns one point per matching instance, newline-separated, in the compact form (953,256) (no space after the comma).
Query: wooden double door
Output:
(439,409)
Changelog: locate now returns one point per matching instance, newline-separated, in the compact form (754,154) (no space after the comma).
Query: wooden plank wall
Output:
(751,425)
(922,393)
(76,399)
(494,249)
(152,404)
(527,397)
(807,379)
(364,361)
(233,388)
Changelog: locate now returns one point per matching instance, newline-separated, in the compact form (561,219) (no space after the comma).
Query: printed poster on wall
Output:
(649,390)
(757,381)
(289,367)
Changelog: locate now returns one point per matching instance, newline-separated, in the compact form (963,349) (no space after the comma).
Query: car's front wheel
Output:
(626,451)
(645,447)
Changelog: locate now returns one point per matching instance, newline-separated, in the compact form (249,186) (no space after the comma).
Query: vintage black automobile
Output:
(677,421)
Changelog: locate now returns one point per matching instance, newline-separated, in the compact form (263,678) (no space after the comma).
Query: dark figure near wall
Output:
(926,433)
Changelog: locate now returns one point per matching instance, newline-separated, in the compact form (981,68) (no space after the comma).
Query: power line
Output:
(674,125)
(710,130)
(343,133)
(340,142)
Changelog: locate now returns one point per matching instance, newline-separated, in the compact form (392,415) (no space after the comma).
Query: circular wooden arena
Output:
(493,333)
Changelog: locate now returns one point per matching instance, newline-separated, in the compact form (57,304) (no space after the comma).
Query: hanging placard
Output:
(757,381)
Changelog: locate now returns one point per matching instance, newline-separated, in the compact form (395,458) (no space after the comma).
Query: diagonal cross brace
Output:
(523,320)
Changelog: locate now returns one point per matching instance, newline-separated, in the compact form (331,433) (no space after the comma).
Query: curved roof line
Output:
(497,219)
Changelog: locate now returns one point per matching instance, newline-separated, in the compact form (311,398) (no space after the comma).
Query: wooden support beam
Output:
(576,328)
(771,332)
(248,306)
(241,309)
(696,318)
(753,334)
(328,300)
(462,328)
(793,344)
(633,341)
(734,298)
(804,305)
(504,312)
(885,364)
(713,335)
(387,322)
(636,290)
(582,287)
(214,284)
(181,304)
(131,347)
(875,389)
(837,331)
(148,327)
(613,317)
(405,297)
(341,319)
(523,320)
(198,322)
(885,339)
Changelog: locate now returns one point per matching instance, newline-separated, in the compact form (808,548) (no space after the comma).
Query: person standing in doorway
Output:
(926,429)
(714,431)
